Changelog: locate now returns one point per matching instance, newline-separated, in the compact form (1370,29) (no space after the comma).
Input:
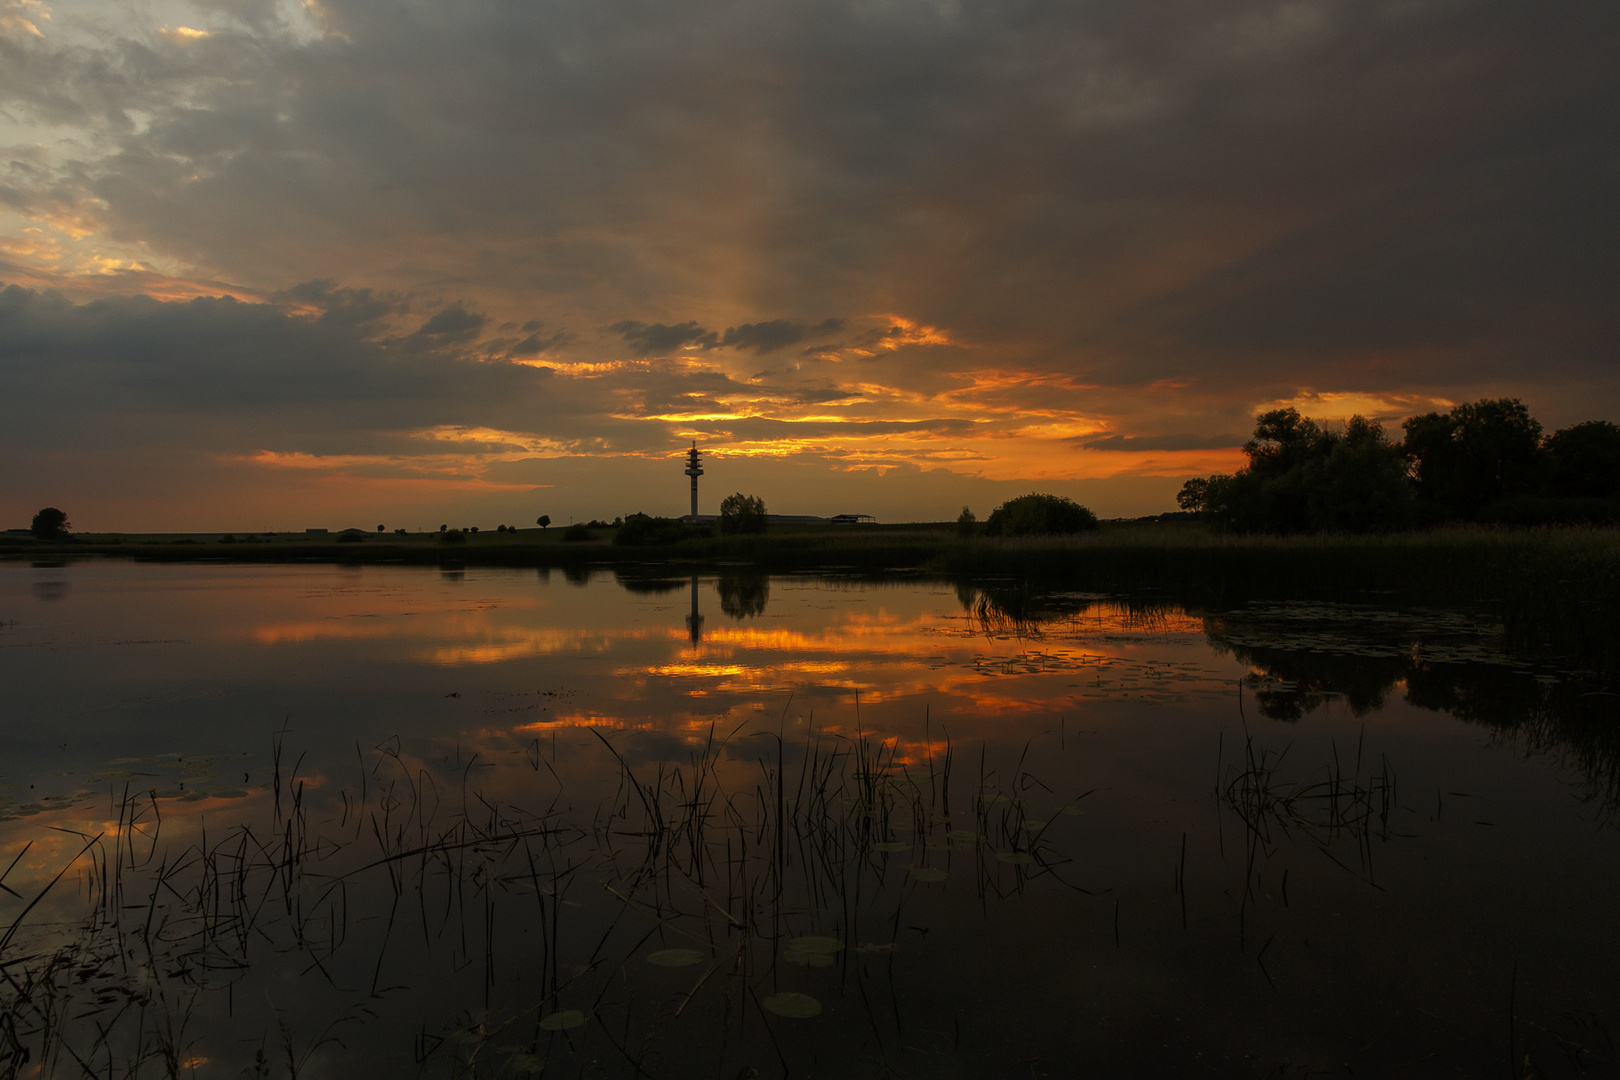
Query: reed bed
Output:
(518,931)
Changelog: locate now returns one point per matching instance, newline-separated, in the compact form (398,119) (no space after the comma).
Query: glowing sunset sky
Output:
(271,264)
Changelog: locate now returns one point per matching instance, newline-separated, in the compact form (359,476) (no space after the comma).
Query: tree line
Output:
(1485,461)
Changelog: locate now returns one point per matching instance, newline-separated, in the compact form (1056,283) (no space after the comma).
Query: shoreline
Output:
(1455,563)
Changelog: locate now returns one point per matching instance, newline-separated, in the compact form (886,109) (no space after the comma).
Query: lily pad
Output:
(812,951)
(869,947)
(962,834)
(569,1018)
(1016,858)
(891,845)
(794,1006)
(927,873)
(675,957)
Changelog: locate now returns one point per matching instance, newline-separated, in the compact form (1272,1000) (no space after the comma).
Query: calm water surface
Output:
(325,821)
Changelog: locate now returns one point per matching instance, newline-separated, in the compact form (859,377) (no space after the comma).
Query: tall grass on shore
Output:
(526,933)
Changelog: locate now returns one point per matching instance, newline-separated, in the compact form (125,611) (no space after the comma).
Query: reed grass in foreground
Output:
(815,906)
(675,920)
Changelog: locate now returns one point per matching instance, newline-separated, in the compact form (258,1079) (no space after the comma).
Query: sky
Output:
(270,264)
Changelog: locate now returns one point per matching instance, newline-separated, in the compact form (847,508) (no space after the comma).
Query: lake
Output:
(322,821)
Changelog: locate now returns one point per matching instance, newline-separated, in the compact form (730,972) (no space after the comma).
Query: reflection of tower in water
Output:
(694,621)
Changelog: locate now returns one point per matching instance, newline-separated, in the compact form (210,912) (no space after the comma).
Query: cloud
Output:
(1161,442)
(453,323)
(658,338)
(777,334)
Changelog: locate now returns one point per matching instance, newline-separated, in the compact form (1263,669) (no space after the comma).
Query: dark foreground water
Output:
(339,822)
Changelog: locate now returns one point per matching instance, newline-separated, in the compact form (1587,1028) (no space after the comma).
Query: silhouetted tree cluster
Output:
(1038,515)
(741,513)
(1482,461)
(49,524)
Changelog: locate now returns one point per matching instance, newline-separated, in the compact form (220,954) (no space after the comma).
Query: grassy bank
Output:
(1182,558)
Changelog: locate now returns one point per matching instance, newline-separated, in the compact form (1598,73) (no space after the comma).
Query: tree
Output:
(966,523)
(1193,493)
(1585,460)
(544,520)
(1039,515)
(50,524)
(1302,477)
(1477,454)
(381,529)
(741,513)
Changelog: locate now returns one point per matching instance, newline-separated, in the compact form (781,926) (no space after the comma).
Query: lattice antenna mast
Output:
(694,469)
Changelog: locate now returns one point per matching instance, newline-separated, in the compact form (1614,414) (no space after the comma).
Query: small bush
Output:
(576,533)
(1039,515)
(452,536)
(351,536)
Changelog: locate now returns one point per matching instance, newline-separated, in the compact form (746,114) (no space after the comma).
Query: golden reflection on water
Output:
(489,660)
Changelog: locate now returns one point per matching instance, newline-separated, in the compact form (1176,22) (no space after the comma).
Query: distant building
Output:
(852,519)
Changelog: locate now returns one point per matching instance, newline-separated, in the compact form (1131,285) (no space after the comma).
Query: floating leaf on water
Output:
(676,957)
(1073,811)
(1017,858)
(812,951)
(927,873)
(525,1064)
(1033,826)
(962,834)
(891,845)
(868,947)
(572,1018)
(794,1006)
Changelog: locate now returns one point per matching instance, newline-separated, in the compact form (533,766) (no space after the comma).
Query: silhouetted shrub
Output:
(452,536)
(966,523)
(1039,515)
(576,532)
(639,530)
